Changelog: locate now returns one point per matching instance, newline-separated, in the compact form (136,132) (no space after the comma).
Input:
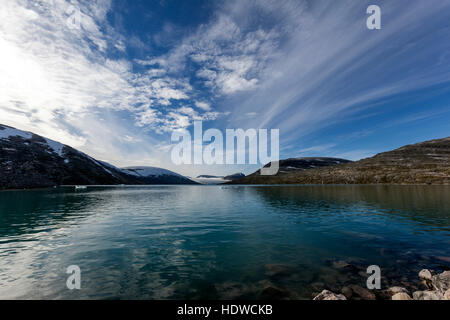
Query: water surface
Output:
(213,242)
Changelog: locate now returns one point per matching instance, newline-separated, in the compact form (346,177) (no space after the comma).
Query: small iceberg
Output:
(80,187)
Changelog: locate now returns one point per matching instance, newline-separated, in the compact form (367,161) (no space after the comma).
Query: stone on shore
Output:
(328,295)
(439,285)
(441,282)
(447,295)
(427,295)
(425,274)
(401,296)
(394,290)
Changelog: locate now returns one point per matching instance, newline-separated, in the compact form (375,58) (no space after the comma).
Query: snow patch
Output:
(7,132)
(55,146)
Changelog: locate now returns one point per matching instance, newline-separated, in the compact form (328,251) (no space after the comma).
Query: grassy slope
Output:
(422,163)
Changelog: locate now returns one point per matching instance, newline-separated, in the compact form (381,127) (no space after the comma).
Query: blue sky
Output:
(135,71)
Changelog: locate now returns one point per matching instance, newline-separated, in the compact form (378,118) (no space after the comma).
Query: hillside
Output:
(210,179)
(154,175)
(422,163)
(28,160)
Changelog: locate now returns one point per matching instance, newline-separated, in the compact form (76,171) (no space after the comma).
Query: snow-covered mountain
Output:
(28,160)
(157,175)
(209,179)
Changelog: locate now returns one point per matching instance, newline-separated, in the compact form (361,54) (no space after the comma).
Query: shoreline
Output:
(225,184)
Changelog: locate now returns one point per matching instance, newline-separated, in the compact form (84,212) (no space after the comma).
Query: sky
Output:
(115,78)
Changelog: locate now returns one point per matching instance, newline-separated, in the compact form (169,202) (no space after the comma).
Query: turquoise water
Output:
(213,242)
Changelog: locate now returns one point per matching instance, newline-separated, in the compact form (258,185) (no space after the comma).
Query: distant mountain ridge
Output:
(229,177)
(154,175)
(210,179)
(28,160)
(207,176)
(296,164)
(421,163)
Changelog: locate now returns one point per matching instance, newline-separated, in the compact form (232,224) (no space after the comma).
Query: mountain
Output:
(28,160)
(153,175)
(230,177)
(300,164)
(289,167)
(422,163)
(205,176)
(209,179)
(235,176)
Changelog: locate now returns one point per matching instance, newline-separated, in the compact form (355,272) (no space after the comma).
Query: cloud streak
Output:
(300,66)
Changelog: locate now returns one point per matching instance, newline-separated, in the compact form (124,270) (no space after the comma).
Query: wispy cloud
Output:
(300,66)
(53,77)
(228,58)
(332,66)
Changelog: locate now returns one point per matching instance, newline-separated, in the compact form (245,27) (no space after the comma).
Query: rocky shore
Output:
(340,280)
(436,287)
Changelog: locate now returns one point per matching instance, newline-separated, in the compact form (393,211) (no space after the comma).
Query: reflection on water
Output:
(165,242)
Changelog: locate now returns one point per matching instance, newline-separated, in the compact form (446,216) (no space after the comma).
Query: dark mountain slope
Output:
(422,163)
(28,160)
(290,167)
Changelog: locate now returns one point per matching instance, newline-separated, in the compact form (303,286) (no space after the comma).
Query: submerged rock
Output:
(347,292)
(328,295)
(363,293)
(279,270)
(442,258)
(401,296)
(317,286)
(340,264)
(273,293)
(233,290)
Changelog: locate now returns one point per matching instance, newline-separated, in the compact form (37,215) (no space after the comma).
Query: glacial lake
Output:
(215,242)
